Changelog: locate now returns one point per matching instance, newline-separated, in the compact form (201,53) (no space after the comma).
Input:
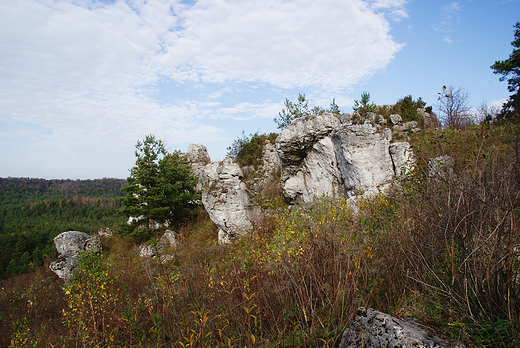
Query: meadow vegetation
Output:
(441,249)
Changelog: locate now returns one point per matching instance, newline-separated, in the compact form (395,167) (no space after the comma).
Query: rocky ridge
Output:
(332,155)
(328,154)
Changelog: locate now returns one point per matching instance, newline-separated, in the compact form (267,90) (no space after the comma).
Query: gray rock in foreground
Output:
(374,329)
(69,246)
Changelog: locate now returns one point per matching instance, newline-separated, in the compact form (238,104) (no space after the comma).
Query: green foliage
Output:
(334,108)
(407,108)
(511,67)
(247,150)
(34,211)
(160,190)
(292,111)
(363,106)
(300,108)
(92,317)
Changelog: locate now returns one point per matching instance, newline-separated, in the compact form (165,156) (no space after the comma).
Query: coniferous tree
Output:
(160,190)
(511,68)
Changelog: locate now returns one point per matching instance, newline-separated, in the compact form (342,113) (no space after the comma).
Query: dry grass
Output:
(445,251)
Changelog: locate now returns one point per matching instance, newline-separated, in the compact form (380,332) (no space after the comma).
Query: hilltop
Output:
(437,245)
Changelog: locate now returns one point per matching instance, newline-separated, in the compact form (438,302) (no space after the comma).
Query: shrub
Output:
(248,149)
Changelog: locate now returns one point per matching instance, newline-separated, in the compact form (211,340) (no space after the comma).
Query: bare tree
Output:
(486,113)
(454,110)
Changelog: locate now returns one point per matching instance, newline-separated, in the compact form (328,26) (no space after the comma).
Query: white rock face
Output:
(407,126)
(69,246)
(327,154)
(317,175)
(318,155)
(151,251)
(72,243)
(226,199)
(372,328)
(198,153)
(402,158)
(294,141)
(198,157)
(395,118)
(363,157)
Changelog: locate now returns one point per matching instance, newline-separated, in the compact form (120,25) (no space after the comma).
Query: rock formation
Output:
(226,199)
(319,155)
(160,247)
(430,119)
(328,154)
(198,157)
(69,246)
(376,329)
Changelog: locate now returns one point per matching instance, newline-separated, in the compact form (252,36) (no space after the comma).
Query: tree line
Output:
(34,211)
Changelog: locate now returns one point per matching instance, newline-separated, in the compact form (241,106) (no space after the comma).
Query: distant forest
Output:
(34,211)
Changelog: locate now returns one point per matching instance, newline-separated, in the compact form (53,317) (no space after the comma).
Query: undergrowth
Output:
(442,249)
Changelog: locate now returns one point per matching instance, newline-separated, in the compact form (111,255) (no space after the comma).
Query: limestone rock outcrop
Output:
(316,155)
(328,154)
(198,157)
(430,119)
(402,158)
(374,329)
(69,246)
(226,199)
(226,196)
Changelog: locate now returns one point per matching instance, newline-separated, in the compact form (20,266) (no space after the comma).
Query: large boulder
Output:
(430,119)
(69,246)
(374,329)
(328,154)
(294,141)
(316,175)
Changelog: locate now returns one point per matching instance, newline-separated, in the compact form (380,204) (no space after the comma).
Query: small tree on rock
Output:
(363,106)
(300,108)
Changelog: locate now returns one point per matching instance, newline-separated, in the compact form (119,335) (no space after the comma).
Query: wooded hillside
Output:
(34,211)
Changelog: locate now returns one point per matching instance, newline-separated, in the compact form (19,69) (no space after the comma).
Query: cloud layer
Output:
(86,74)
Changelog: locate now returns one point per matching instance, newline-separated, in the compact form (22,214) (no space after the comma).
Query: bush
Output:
(407,108)
(248,149)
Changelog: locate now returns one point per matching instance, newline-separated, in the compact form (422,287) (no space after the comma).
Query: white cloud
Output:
(445,25)
(83,74)
(249,111)
(452,8)
(286,44)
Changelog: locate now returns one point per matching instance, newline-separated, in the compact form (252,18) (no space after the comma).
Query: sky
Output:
(82,80)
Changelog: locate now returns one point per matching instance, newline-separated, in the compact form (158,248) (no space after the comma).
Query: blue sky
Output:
(82,80)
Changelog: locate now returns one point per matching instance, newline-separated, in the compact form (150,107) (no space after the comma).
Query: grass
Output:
(444,251)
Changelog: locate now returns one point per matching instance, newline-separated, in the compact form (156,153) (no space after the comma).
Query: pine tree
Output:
(160,190)
(511,68)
